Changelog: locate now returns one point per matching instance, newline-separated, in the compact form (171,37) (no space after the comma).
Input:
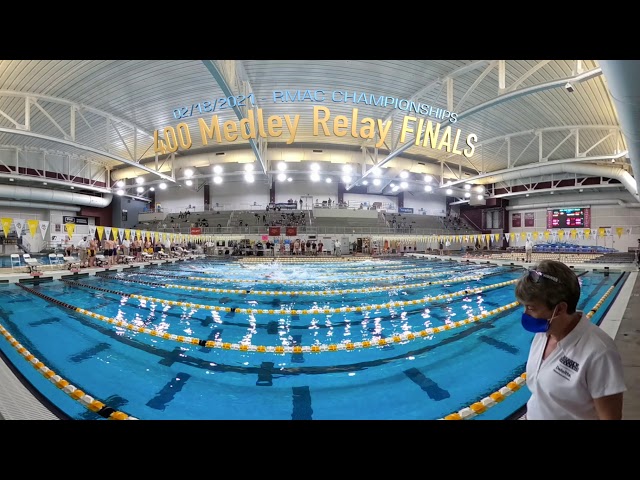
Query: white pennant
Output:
(19,224)
(44,224)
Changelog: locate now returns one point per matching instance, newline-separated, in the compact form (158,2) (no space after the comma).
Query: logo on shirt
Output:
(567,365)
(572,364)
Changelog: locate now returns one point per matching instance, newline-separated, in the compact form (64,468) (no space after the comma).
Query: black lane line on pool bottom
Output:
(301,404)
(427,385)
(166,395)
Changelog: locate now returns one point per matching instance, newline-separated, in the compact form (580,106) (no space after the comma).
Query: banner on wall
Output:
(196,231)
(529,219)
(274,231)
(516,220)
(76,220)
(291,231)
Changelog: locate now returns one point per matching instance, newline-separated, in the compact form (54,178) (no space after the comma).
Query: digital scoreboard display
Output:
(569,217)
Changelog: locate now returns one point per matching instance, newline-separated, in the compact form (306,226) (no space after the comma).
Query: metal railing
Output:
(317,230)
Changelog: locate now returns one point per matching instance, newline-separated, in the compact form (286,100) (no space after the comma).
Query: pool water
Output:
(280,340)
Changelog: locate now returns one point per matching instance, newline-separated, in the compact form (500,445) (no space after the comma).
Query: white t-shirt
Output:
(528,245)
(585,365)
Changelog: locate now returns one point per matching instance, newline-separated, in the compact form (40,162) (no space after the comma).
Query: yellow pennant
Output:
(100,230)
(619,231)
(601,232)
(115,233)
(535,235)
(70,227)
(587,233)
(546,234)
(127,233)
(33,226)
(6,225)
(561,234)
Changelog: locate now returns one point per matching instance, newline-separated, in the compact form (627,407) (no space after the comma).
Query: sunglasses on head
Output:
(536,275)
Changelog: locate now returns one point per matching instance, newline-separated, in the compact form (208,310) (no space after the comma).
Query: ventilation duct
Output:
(621,77)
(583,203)
(53,196)
(617,173)
(48,206)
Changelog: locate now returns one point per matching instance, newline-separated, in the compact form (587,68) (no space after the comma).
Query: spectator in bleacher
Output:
(638,254)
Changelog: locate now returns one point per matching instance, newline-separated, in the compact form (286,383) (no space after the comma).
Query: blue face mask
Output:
(536,325)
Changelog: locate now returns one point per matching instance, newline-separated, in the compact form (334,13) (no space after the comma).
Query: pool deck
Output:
(18,403)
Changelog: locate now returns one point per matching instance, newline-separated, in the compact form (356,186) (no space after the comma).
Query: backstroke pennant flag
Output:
(19,223)
(107,233)
(100,230)
(70,228)
(92,231)
(33,227)
(44,225)
(6,225)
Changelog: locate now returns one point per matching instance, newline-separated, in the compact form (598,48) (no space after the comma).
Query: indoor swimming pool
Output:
(285,339)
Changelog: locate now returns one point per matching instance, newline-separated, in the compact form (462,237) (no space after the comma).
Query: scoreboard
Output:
(579,217)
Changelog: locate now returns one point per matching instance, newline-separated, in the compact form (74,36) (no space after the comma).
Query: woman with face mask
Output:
(574,370)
